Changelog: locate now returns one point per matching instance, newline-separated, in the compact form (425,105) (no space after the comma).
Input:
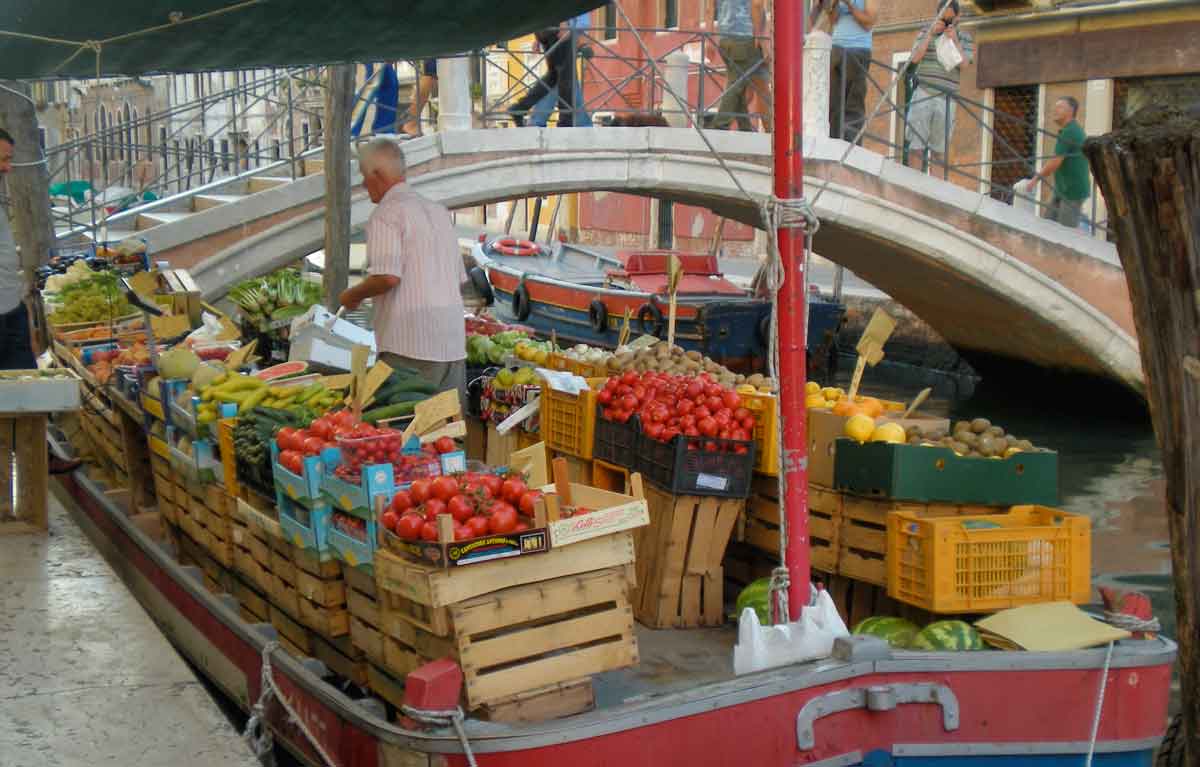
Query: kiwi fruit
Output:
(968,438)
(1024,444)
(1000,444)
(959,447)
(995,431)
(980,425)
(914,440)
(962,426)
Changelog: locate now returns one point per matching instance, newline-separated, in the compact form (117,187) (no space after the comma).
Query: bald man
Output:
(415,274)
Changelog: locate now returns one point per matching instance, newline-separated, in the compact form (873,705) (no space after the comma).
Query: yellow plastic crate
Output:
(977,564)
(568,421)
(766,432)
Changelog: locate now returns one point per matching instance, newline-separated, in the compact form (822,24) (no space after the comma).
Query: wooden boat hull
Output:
(988,708)
(732,331)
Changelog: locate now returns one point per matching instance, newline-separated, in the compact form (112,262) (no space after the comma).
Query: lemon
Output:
(746,389)
(860,427)
(504,378)
(830,393)
(888,432)
(812,387)
(541,356)
(815,400)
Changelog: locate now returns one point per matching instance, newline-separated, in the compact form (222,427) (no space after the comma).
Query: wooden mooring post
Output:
(1149,172)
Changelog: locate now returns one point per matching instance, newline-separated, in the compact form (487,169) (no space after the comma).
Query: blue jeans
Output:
(540,114)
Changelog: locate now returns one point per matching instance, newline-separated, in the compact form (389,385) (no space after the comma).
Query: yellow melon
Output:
(888,432)
(860,427)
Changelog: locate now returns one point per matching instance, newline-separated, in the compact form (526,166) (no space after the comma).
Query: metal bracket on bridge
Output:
(874,698)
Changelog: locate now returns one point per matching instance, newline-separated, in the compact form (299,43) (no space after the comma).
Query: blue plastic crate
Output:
(304,526)
(304,489)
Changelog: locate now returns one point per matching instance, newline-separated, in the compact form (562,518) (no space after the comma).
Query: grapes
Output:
(95,299)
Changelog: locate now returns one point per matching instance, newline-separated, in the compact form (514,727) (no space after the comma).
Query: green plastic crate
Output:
(914,473)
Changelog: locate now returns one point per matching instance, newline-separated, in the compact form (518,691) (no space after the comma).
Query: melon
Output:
(898,632)
(282,370)
(177,363)
(947,636)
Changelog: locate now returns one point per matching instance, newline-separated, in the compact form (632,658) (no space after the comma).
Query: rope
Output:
(452,717)
(1099,707)
(1132,624)
(257,734)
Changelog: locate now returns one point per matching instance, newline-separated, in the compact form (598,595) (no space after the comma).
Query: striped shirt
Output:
(411,237)
(930,71)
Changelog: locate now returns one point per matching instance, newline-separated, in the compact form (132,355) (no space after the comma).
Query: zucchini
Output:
(403,396)
(389,411)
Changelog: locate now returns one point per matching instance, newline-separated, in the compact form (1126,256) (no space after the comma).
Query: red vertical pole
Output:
(789,184)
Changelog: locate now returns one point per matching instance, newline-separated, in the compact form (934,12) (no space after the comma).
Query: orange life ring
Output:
(510,246)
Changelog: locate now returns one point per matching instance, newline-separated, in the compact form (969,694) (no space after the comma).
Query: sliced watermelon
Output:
(282,370)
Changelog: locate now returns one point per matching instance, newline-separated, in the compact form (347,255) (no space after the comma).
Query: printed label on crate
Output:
(593,524)
(454,463)
(483,549)
(712,482)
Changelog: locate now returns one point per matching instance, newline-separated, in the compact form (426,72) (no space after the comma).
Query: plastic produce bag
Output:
(761,647)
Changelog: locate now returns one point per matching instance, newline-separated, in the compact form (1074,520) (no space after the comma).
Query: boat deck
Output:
(87,676)
(669,662)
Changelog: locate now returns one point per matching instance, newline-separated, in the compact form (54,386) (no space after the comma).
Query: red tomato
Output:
(694,389)
(521,527)
(654,430)
(460,508)
(444,488)
(684,406)
(748,423)
(741,413)
(344,418)
(702,412)
(283,437)
(512,490)
(292,461)
(462,533)
(502,519)
(313,446)
(478,525)
(528,502)
(714,403)
(409,526)
(629,402)
(434,507)
(445,445)
(604,396)
(401,502)
(712,390)
(629,378)
(321,428)
(670,433)
(429,531)
(420,491)
(389,519)
(493,483)
(722,418)
(739,434)
(707,426)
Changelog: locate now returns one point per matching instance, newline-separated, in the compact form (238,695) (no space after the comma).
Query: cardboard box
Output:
(825,428)
(320,336)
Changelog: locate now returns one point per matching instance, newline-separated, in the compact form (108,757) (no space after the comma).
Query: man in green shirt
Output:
(1069,167)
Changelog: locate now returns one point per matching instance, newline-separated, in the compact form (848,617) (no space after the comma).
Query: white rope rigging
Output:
(258,733)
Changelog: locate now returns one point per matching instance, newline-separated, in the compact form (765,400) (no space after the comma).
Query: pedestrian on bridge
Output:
(415,274)
(560,77)
(743,28)
(940,56)
(851,22)
(1069,167)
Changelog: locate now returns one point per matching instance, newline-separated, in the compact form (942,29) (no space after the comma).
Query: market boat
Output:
(682,705)
(583,295)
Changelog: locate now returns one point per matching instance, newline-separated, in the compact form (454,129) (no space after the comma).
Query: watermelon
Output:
(758,596)
(947,636)
(898,632)
(282,370)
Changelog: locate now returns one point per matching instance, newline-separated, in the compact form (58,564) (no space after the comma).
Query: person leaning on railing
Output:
(1069,167)
(850,22)
(931,109)
(742,23)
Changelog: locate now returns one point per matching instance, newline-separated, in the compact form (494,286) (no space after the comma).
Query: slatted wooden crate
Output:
(255,608)
(310,588)
(763,523)
(251,534)
(363,605)
(680,583)
(516,626)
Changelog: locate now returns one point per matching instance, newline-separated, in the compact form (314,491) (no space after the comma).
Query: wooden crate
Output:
(291,632)
(549,702)
(514,625)
(252,601)
(342,658)
(744,564)
(680,583)
(763,525)
(385,685)
(609,476)
(292,585)
(365,617)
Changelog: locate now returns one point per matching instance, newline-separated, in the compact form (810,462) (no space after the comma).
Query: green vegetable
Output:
(309,392)
(390,411)
(253,399)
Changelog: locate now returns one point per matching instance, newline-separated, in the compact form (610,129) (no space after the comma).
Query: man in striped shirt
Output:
(415,274)
(931,111)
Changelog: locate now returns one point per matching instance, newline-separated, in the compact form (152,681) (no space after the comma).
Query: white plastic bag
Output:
(209,331)
(761,647)
(1025,195)
(948,54)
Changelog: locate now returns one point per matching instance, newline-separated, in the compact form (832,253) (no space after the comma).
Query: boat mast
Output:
(788,145)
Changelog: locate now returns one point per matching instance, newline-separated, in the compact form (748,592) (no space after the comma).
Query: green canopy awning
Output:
(59,38)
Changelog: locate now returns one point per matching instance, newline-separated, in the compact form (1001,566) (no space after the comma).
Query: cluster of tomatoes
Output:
(479,504)
(669,405)
(295,444)
(351,526)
